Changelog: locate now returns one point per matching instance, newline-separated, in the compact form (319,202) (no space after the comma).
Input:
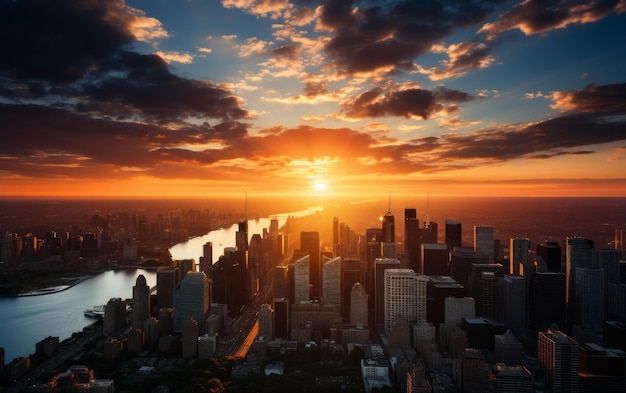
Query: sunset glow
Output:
(332,97)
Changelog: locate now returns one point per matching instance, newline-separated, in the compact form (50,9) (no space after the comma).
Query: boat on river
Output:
(96,312)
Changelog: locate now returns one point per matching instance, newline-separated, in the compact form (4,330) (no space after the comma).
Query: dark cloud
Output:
(593,99)
(406,103)
(538,16)
(544,139)
(313,89)
(368,37)
(59,41)
(61,52)
(288,51)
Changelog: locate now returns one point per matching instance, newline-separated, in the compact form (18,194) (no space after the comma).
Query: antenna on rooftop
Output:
(427,219)
(389,209)
(246,207)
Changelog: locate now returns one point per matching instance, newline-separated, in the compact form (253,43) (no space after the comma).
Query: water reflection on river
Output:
(26,320)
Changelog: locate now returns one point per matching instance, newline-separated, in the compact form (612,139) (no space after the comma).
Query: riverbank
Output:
(71,281)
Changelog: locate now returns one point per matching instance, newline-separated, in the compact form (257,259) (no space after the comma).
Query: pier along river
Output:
(27,320)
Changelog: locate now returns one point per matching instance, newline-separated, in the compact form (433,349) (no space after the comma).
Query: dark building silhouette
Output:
(310,244)
(141,302)
(411,238)
(551,253)
(167,279)
(547,300)
(454,235)
(437,290)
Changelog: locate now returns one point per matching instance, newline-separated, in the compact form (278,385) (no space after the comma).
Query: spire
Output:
(389,208)
(427,218)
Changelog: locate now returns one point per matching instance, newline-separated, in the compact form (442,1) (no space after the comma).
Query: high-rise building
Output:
(358,305)
(577,254)
(335,232)
(281,282)
(609,260)
(439,289)
(141,302)
(461,262)
(281,318)
(266,321)
(411,238)
(454,236)
(351,273)
(484,243)
(381,264)
(547,300)
(434,259)
(241,236)
(558,361)
(518,254)
(331,281)
(190,333)
(114,316)
(206,260)
(506,379)
(551,253)
(167,279)
(514,300)
(473,372)
(191,299)
(455,309)
(389,228)
(310,244)
(589,297)
(404,297)
(302,292)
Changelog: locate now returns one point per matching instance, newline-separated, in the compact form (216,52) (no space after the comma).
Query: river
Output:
(29,319)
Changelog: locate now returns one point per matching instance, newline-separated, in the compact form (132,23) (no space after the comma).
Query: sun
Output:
(321,186)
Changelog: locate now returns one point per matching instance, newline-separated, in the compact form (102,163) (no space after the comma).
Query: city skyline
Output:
(294,98)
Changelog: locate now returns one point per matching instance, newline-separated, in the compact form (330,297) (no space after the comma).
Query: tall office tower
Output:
(302,292)
(335,232)
(191,299)
(141,302)
(514,302)
(550,252)
(388,250)
(457,308)
(281,282)
(114,316)
(389,228)
(506,379)
(206,260)
(434,260)
(608,259)
(589,297)
(484,242)
(473,372)
(274,227)
(558,361)
(619,241)
(547,300)
(241,237)
(266,321)
(358,305)
(438,289)
(256,263)
(167,279)
(577,254)
(507,349)
(404,297)
(190,333)
(151,332)
(378,293)
(454,235)
(411,238)
(331,281)
(482,287)
(350,274)
(310,244)
(166,321)
(281,318)
(461,262)
(185,266)
(518,254)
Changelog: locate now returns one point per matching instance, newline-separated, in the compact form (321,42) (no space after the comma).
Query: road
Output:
(65,352)
(244,329)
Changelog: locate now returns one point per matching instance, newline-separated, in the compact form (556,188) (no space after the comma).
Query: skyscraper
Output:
(550,252)
(404,296)
(577,254)
(141,302)
(518,254)
(589,297)
(484,242)
(378,292)
(206,260)
(453,234)
(331,281)
(301,279)
(358,305)
(558,361)
(411,238)
(434,259)
(389,228)
(191,299)
(310,244)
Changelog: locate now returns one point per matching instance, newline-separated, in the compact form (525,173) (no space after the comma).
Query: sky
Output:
(195,98)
